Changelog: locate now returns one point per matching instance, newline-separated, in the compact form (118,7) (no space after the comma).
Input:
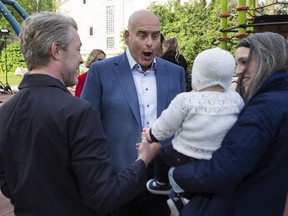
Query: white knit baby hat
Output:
(212,67)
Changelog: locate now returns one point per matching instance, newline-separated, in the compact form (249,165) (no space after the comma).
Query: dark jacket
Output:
(170,56)
(248,174)
(53,154)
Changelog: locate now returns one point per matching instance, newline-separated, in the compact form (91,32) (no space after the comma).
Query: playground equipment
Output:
(256,21)
(4,32)
(9,17)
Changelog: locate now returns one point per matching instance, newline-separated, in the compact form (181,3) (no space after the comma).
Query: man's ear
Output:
(54,49)
(126,37)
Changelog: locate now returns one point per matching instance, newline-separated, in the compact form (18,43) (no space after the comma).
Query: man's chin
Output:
(146,63)
(71,83)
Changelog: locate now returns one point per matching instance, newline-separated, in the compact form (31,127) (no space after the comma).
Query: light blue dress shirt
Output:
(145,83)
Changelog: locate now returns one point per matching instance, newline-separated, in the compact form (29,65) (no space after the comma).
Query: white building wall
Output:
(92,13)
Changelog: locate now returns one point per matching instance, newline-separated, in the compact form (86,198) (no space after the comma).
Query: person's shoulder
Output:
(184,96)
(79,105)
(167,63)
(234,94)
(82,76)
(185,101)
(182,61)
(181,57)
(169,57)
(232,98)
(75,110)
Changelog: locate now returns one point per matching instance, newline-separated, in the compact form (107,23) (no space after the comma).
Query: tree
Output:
(272,7)
(196,24)
(15,58)
(30,6)
(35,6)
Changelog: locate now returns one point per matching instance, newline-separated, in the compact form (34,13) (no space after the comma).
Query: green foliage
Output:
(35,6)
(30,6)
(272,7)
(195,24)
(14,58)
(12,80)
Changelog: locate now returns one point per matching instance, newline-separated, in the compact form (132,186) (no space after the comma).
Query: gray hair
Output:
(39,32)
(270,52)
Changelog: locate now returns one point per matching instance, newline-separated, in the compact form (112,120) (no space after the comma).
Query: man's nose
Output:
(149,41)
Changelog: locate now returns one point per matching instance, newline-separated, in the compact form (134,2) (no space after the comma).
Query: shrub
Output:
(14,58)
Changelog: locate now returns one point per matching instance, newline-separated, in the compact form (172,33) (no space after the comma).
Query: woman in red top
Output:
(95,55)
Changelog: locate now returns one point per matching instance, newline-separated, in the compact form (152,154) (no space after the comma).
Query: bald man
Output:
(131,91)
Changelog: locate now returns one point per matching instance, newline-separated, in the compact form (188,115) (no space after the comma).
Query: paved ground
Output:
(6,209)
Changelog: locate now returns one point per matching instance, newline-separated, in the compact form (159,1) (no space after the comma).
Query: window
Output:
(110,43)
(91,31)
(110,20)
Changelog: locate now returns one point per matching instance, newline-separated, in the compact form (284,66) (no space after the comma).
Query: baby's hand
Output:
(145,135)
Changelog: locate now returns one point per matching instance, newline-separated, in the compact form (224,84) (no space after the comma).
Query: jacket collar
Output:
(41,80)
(276,81)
